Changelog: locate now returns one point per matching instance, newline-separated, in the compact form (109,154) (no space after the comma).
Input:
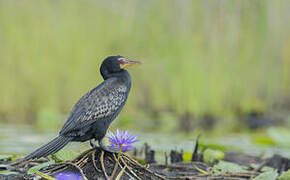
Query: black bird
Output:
(93,113)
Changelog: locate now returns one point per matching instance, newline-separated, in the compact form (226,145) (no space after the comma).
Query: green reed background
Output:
(200,57)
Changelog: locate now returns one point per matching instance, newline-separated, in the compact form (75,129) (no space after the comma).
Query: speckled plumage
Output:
(93,113)
(100,104)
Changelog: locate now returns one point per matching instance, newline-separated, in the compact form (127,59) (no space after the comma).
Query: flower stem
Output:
(116,165)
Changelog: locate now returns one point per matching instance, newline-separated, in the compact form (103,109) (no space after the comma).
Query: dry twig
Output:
(103,166)
(94,162)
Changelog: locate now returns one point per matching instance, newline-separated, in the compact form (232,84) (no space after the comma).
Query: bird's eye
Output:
(122,60)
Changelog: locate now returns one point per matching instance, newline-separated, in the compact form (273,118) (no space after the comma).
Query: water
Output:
(20,139)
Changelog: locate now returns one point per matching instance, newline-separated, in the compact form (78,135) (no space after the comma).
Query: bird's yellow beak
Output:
(126,63)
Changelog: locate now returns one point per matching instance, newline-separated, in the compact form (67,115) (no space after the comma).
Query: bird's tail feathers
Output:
(52,147)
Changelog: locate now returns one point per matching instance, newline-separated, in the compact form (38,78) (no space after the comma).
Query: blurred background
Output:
(216,68)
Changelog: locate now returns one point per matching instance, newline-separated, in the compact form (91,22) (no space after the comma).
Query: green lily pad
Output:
(64,155)
(281,136)
(211,155)
(212,146)
(223,167)
(284,175)
(6,157)
(267,169)
(263,139)
(36,168)
(7,172)
(45,176)
(269,175)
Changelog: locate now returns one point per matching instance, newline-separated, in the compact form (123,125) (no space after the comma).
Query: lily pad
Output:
(6,157)
(36,168)
(267,169)
(263,139)
(284,175)
(281,136)
(64,155)
(223,167)
(212,146)
(211,155)
(269,175)
(45,176)
(7,172)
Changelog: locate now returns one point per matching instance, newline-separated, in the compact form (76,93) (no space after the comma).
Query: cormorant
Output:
(91,116)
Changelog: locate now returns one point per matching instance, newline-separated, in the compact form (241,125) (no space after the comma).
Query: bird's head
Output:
(115,64)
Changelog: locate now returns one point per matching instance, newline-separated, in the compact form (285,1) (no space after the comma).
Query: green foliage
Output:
(45,176)
(210,155)
(140,160)
(121,173)
(64,155)
(267,169)
(36,168)
(284,175)
(200,57)
(6,157)
(269,175)
(212,146)
(263,139)
(223,167)
(7,172)
(187,156)
(281,136)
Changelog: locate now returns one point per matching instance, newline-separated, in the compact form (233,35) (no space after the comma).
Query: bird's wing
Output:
(101,102)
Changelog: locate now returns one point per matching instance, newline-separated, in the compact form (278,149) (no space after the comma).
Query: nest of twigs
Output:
(98,164)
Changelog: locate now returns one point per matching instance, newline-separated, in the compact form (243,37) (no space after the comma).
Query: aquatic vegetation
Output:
(68,176)
(122,140)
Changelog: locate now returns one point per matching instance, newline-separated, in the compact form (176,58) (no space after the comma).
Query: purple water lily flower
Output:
(68,176)
(123,139)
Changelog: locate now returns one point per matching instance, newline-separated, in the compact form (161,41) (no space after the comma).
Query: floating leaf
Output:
(223,167)
(212,146)
(7,172)
(281,136)
(6,157)
(269,175)
(44,176)
(64,155)
(267,169)
(210,155)
(263,139)
(33,169)
(284,175)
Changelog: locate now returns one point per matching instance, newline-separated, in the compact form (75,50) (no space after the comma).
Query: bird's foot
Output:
(111,149)
(93,144)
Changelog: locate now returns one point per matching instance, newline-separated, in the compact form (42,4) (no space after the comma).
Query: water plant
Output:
(123,141)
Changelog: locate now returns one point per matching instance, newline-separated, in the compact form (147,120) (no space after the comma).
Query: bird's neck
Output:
(123,75)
